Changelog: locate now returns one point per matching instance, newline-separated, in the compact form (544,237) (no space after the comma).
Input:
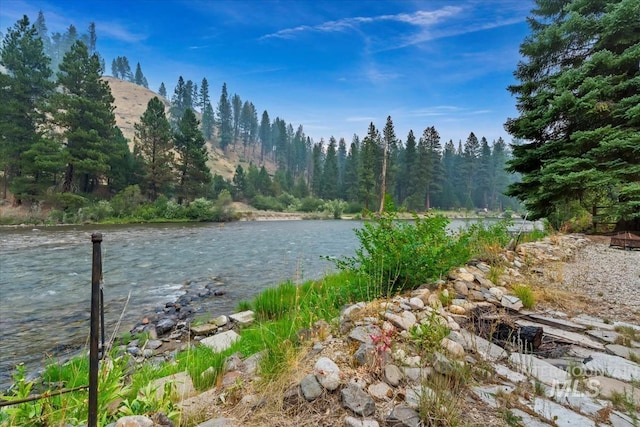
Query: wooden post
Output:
(96,273)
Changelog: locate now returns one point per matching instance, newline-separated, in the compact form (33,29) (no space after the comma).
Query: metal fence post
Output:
(96,273)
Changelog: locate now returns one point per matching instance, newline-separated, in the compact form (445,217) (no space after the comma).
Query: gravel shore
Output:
(609,278)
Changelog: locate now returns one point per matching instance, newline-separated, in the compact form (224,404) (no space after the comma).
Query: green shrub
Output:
(353,207)
(287,200)
(174,210)
(267,203)
(311,204)
(335,207)
(96,212)
(200,210)
(401,255)
(125,202)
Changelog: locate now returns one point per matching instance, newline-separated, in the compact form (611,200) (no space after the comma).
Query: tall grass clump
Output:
(486,241)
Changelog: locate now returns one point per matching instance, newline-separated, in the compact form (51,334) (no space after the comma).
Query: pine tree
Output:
(316,177)
(25,87)
(162,90)
(342,160)
(578,101)
(430,167)
(471,164)
(236,105)
(92,38)
(208,122)
(483,179)
(370,169)
(153,144)
(265,135)
(389,151)
(498,179)
(194,175)
(84,112)
(411,176)
(125,169)
(114,68)
(450,162)
(187,95)
(178,106)
(329,187)
(225,123)
(41,29)
(351,169)
(139,78)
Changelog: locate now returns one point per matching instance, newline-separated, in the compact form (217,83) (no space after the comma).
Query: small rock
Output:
(380,391)
(465,275)
(243,318)
(461,287)
(220,321)
(327,373)
(365,355)
(134,421)
(497,293)
(406,320)
(365,333)
(204,330)
(434,302)
(221,342)
(134,351)
(392,375)
(511,302)
(403,416)
(454,349)
(456,309)
(310,387)
(352,311)
(416,303)
(153,344)
(217,422)
(164,325)
(358,401)
(356,422)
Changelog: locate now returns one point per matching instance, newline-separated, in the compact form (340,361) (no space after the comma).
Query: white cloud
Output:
(114,30)
(359,119)
(419,18)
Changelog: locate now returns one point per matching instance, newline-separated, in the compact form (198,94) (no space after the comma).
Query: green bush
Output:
(310,204)
(267,203)
(174,210)
(335,207)
(401,255)
(200,210)
(96,212)
(127,201)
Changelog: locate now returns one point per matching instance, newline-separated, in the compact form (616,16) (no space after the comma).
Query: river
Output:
(45,274)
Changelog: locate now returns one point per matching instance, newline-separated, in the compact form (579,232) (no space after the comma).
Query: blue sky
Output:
(331,66)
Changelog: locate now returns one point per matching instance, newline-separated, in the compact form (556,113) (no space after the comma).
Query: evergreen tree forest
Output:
(579,102)
(60,147)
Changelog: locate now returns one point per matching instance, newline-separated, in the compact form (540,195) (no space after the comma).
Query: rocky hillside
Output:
(479,359)
(131,102)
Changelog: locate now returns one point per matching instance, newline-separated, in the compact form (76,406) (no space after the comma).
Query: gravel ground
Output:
(609,277)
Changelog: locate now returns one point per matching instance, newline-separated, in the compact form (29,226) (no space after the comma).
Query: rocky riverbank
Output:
(571,360)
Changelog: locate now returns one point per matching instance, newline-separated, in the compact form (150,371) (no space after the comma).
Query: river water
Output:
(45,274)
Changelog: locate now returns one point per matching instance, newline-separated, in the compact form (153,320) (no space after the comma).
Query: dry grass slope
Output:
(131,102)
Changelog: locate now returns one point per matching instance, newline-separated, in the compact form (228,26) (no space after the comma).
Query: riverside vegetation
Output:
(394,256)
